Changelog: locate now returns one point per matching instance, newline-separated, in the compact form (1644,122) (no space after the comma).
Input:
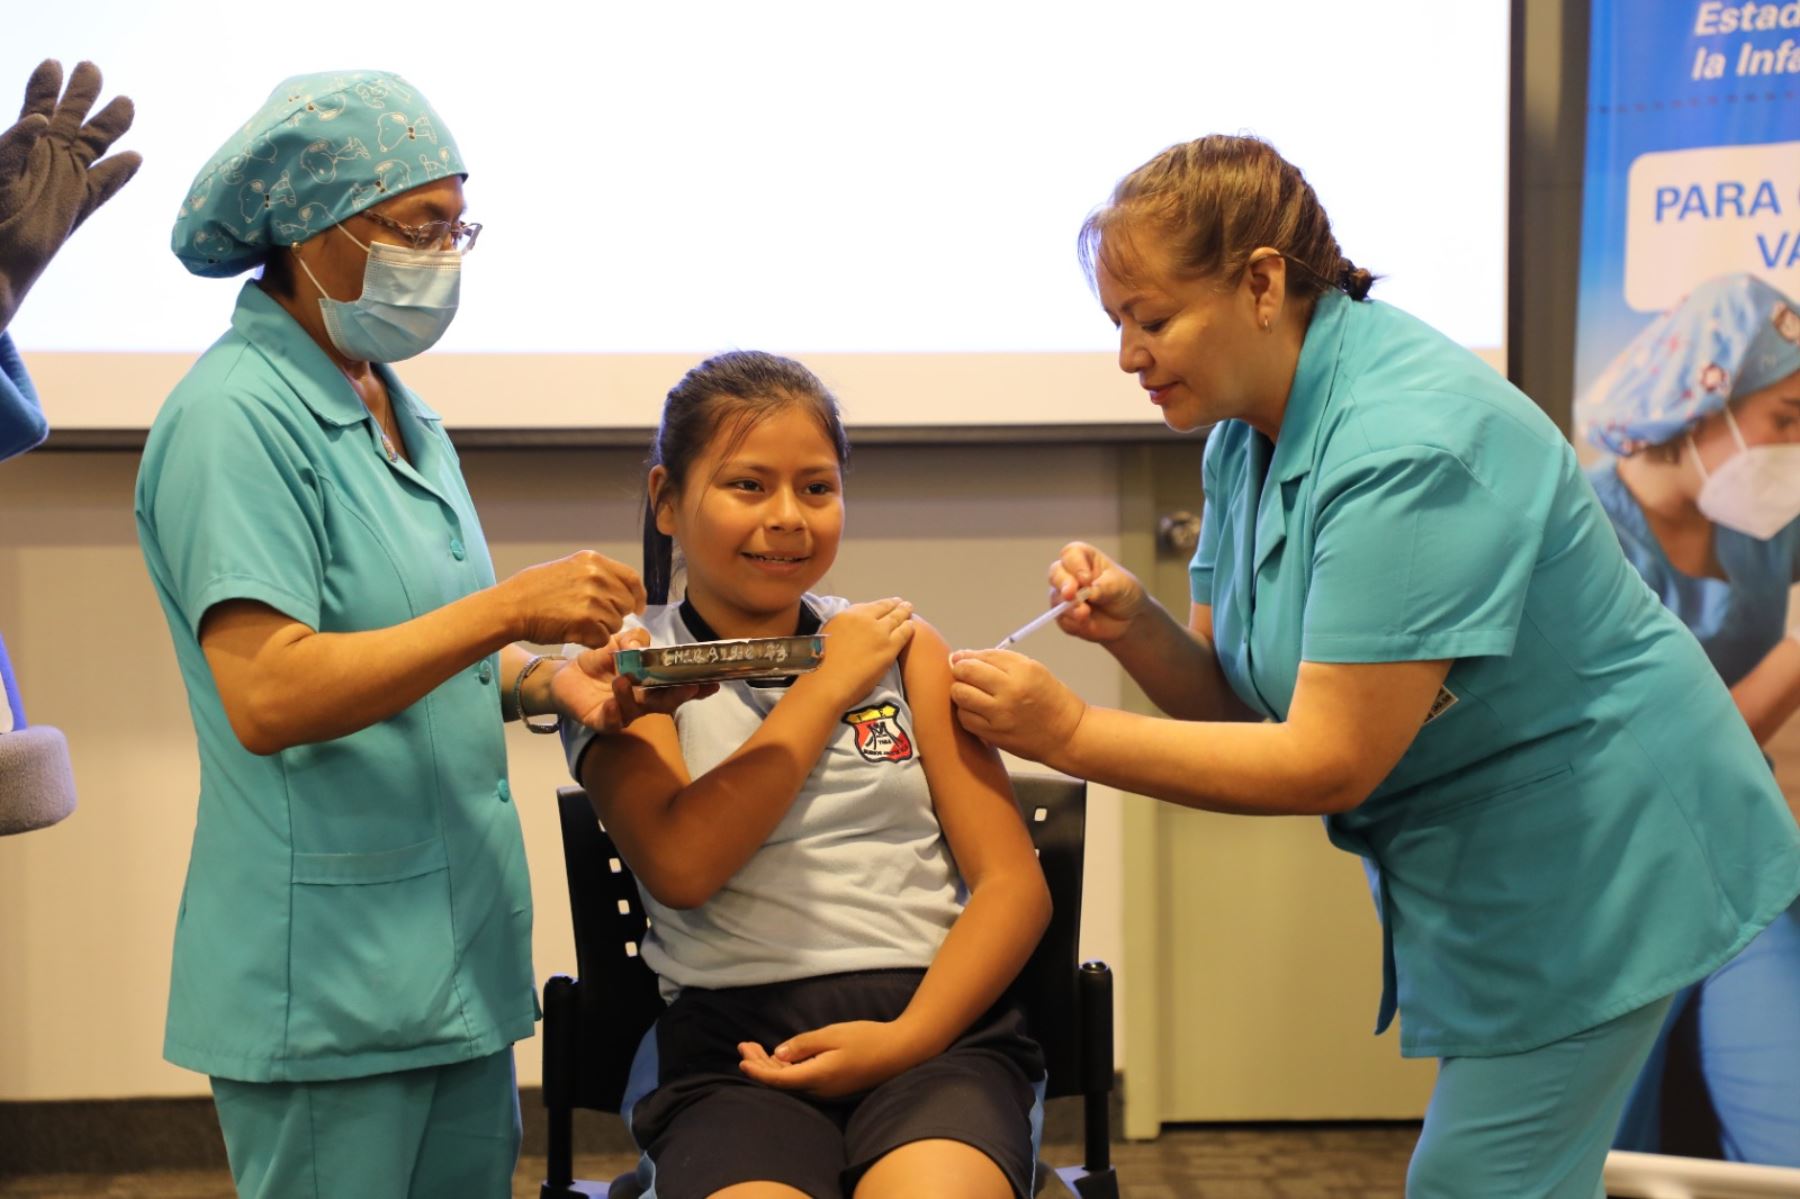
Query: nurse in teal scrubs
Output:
(1702,410)
(1411,616)
(353,949)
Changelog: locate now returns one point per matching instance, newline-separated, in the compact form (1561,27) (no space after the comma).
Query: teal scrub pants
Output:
(443,1130)
(1532,1125)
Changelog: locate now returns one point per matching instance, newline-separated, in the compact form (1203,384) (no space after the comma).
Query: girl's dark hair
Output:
(727,394)
(1217,200)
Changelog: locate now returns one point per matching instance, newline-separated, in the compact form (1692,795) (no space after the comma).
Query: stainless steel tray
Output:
(721,661)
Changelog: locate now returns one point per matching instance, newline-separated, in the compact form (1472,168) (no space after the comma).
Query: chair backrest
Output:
(1055,811)
(619,1000)
(619,997)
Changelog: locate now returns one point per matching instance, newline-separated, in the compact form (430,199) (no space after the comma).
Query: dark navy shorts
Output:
(707,1125)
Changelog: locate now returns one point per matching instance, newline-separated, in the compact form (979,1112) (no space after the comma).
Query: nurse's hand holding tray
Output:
(612,686)
(721,661)
(594,690)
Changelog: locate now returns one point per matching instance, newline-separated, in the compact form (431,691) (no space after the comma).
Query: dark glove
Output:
(49,181)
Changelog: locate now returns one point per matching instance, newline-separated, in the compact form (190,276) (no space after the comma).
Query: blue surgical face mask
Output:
(408,299)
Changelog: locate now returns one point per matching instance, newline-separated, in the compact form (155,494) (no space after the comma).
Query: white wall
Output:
(801,175)
(87,908)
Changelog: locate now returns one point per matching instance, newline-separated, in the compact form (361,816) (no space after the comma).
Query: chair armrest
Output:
(561,1022)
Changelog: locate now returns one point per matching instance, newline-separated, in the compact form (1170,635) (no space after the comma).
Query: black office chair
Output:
(593,1024)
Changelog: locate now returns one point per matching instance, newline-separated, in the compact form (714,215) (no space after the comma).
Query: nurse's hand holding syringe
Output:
(1168,654)
(1103,598)
(1171,658)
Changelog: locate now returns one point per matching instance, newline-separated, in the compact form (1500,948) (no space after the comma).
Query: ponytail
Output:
(659,557)
(1354,280)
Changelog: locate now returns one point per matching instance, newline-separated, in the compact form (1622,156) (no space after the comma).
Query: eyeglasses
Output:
(432,233)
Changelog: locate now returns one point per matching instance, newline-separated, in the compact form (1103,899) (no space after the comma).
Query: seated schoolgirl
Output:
(838,882)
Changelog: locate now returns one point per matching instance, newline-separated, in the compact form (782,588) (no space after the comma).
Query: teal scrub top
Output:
(1738,619)
(361,905)
(1585,823)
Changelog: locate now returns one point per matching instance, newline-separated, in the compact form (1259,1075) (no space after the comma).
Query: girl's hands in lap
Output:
(834,1061)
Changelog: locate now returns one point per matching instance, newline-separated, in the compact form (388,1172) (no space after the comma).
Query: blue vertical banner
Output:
(1693,160)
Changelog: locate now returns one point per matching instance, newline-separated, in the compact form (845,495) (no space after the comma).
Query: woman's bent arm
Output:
(1178,668)
(1349,724)
(1347,728)
(686,837)
(284,684)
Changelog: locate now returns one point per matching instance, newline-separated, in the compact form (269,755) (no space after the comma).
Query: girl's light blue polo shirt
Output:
(358,906)
(1586,823)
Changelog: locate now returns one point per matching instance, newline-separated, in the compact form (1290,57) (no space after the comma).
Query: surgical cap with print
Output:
(1730,337)
(322,147)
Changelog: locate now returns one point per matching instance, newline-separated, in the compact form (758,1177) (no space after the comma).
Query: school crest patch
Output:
(880,737)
